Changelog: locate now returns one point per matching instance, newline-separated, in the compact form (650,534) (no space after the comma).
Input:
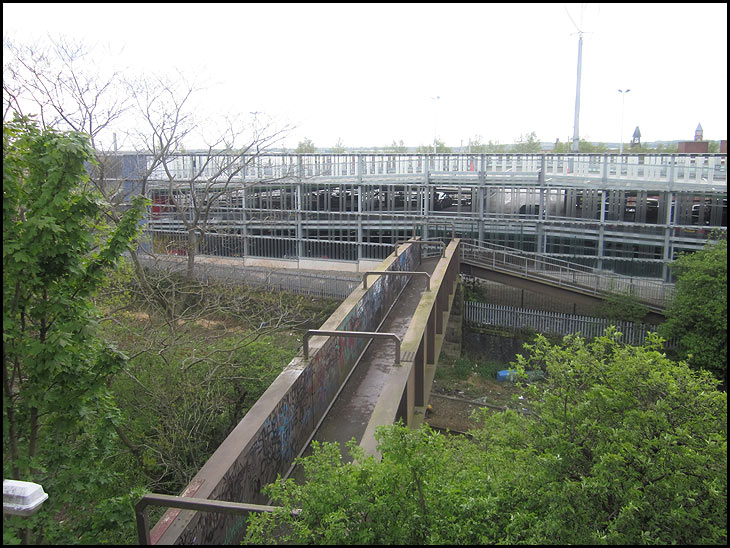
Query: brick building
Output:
(698,146)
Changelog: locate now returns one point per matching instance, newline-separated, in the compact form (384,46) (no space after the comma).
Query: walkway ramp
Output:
(547,274)
(338,388)
(351,412)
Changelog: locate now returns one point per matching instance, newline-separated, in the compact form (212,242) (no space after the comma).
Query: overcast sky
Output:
(368,73)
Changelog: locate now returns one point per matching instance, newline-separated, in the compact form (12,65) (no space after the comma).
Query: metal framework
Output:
(629,214)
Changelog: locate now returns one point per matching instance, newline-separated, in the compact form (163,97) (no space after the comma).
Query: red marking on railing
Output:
(166,520)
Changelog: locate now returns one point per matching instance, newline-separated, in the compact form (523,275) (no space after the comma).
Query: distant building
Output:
(698,133)
(698,146)
(636,139)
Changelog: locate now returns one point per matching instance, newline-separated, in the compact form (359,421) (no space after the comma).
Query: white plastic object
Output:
(22,498)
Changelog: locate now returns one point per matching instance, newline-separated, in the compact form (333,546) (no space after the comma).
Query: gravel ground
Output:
(450,413)
(453,403)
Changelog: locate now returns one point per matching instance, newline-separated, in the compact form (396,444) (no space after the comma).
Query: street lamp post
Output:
(576,138)
(623,102)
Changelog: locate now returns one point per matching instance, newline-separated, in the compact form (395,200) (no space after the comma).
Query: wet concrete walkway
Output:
(351,411)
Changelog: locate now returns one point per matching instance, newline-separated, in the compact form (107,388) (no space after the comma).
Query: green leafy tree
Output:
(305,147)
(595,148)
(646,148)
(667,148)
(622,308)
(584,146)
(633,446)
(561,148)
(697,316)
(527,144)
(55,253)
(618,445)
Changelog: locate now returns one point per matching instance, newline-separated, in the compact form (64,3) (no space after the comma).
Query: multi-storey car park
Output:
(630,214)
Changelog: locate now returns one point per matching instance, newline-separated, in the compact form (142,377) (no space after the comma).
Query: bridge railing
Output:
(566,274)
(408,385)
(667,168)
(230,167)
(279,426)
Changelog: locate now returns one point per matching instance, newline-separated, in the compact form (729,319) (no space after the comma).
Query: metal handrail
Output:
(421,242)
(580,279)
(395,273)
(357,334)
(699,169)
(431,222)
(514,251)
(191,503)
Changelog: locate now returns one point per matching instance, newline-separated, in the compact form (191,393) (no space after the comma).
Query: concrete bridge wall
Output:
(271,435)
(405,394)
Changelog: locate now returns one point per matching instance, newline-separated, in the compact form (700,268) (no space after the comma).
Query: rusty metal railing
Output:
(421,242)
(394,273)
(358,334)
(190,503)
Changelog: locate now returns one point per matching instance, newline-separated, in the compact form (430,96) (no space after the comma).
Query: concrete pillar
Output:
(299,218)
(244,226)
(439,307)
(602,229)
(667,251)
(431,337)
(420,378)
(360,196)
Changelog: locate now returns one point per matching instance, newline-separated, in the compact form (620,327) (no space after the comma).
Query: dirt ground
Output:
(452,403)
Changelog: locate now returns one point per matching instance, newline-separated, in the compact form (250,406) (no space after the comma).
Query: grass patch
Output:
(465,367)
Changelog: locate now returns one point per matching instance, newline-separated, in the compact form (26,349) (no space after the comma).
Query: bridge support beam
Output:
(430,343)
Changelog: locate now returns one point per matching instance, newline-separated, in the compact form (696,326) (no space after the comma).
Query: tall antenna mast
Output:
(576,138)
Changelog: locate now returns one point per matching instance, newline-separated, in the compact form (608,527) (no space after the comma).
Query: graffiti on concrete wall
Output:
(271,449)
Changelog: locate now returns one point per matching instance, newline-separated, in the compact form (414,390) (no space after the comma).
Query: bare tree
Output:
(63,86)
(196,188)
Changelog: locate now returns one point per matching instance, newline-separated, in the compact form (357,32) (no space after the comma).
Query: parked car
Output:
(442,201)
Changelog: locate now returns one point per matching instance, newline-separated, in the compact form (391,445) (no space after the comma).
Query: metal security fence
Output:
(510,317)
(261,245)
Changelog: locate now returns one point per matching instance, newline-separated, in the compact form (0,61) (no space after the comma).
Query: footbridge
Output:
(572,281)
(370,364)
